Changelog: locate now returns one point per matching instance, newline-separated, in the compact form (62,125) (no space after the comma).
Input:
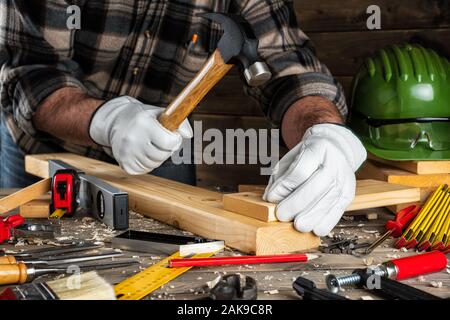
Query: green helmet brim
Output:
(418,153)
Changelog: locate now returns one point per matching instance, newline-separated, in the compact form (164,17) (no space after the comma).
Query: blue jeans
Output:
(13,175)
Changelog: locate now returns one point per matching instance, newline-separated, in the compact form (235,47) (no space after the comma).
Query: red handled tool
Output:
(65,188)
(219,261)
(397,269)
(395,227)
(8,224)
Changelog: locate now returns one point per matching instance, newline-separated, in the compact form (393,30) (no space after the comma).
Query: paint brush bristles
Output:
(84,286)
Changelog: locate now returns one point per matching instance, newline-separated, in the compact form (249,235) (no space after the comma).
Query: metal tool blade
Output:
(75,259)
(50,252)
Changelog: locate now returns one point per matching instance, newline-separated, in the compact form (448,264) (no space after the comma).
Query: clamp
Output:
(230,288)
(7,226)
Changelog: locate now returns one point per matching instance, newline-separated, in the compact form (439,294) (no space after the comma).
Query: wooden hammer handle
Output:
(13,273)
(211,73)
(8,260)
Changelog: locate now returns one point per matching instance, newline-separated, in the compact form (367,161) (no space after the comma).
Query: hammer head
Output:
(239,45)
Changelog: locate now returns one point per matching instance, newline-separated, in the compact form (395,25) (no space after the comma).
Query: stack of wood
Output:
(426,175)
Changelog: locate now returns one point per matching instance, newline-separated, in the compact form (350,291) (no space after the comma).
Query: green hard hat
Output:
(400,104)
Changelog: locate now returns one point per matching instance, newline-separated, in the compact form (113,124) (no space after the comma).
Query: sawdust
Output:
(368,261)
(271,292)
(436,284)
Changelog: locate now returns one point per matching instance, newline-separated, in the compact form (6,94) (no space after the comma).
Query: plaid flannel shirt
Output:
(140,48)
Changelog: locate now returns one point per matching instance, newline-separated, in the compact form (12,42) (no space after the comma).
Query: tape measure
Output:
(145,282)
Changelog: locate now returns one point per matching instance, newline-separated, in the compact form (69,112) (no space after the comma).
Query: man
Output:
(99,90)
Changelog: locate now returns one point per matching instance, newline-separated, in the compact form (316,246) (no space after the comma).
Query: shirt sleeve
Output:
(290,55)
(35,56)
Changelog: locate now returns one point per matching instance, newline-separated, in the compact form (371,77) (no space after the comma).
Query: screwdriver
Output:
(21,273)
(60,260)
(395,227)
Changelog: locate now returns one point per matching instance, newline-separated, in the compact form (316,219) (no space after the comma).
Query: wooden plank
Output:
(418,167)
(383,172)
(38,208)
(334,15)
(250,204)
(187,207)
(369,194)
(25,195)
(251,188)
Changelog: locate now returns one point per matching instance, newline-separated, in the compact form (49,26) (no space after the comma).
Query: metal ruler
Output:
(145,282)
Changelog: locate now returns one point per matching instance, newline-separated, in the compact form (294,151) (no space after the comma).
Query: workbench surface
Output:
(274,280)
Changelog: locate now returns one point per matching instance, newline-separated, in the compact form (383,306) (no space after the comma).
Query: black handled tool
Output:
(308,291)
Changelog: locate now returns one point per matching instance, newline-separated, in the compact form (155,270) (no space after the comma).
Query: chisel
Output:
(21,273)
(60,260)
(54,251)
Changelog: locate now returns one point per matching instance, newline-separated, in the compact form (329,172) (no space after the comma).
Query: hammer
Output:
(238,45)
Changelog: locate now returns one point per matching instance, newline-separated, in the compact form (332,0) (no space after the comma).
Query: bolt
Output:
(334,284)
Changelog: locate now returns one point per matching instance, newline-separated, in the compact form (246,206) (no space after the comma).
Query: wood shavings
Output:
(368,261)
(271,292)
(421,279)
(20,243)
(393,256)
(327,273)
(436,284)
(66,238)
(268,278)
(403,249)
(370,231)
(211,284)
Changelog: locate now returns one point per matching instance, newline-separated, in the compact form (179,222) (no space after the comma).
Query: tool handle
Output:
(211,73)
(8,260)
(13,273)
(202,262)
(15,220)
(411,267)
(402,218)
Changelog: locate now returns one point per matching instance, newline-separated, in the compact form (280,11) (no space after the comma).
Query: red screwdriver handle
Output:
(411,267)
(402,219)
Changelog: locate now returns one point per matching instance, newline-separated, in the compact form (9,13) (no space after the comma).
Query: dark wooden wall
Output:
(339,33)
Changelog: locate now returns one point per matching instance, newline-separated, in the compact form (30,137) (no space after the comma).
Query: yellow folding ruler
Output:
(145,282)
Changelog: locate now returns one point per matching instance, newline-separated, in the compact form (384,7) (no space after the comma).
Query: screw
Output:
(334,284)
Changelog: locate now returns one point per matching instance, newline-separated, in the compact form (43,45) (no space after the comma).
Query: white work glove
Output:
(315,182)
(133,133)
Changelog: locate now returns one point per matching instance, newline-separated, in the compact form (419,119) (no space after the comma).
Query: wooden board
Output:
(251,188)
(38,208)
(369,194)
(250,204)
(418,167)
(389,174)
(188,208)
(331,15)
(25,195)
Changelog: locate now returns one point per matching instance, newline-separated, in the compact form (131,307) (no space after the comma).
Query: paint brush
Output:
(85,286)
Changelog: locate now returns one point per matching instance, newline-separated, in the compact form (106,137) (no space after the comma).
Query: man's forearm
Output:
(304,114)
(65,114)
